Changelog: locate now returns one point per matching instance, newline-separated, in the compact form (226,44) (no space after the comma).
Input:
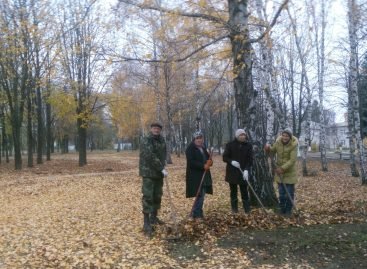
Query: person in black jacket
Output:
(238,155)
(198,162)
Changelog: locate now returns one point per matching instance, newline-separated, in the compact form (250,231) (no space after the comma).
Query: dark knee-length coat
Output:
(195,169)
(240,152)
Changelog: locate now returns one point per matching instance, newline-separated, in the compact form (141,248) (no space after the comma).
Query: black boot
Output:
(234,205)
(147,228)
(154,219)
(246,206)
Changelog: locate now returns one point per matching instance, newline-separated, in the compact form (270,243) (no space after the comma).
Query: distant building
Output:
(337,135)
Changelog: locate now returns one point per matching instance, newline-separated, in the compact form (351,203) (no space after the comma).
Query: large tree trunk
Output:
(48,132)
(219,132)
(29,129)
(268,80)
(16,130)
(353,109)
(320,49)
(4,141)
(245,94)
(302,56)
(170,129)
(230,113)
(82,142)
(40,134)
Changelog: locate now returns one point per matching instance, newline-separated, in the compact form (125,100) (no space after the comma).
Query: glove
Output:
(267,148)
(245,175)
(206,167)
(235,164)
(279,171)
(165,173)
(209,162)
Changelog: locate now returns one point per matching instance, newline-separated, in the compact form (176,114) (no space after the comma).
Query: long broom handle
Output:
(253,191)
(197,194)
(288,194)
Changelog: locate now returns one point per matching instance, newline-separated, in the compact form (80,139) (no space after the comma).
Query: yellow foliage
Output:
(202,3)
(129,113)
(63,105)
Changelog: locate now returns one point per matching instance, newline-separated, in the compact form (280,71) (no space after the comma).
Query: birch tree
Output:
(353,104)
(304,83)
(320,56)
(235,26)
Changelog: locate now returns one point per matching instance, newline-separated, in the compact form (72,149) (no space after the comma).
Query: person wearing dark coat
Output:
(198,162)
(238,155)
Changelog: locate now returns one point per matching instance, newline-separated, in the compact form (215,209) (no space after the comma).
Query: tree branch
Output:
(214,89)
(271,25)
(126,59)
(175,12)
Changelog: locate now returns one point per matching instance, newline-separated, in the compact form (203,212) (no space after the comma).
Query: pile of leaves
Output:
(91,217)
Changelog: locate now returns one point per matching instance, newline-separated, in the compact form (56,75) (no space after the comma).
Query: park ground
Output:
(58,215)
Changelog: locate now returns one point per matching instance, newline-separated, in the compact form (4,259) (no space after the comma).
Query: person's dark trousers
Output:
(234,199)
(244,197)
(198,207)
(285,204)
(152,190)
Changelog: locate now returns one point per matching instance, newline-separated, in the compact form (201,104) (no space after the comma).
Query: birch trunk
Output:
(353,109)
(245,95)
(268,80)
(170,129)
(320,47)
(307,132)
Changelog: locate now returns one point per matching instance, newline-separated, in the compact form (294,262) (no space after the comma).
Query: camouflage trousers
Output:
(152,190)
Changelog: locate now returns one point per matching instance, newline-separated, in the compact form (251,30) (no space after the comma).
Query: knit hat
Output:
(239,132)
(288,131)
(156,124)
(197,134)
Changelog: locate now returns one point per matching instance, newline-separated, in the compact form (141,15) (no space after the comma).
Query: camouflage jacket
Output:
(152,157)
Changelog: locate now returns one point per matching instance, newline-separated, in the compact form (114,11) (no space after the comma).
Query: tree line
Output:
(98,75)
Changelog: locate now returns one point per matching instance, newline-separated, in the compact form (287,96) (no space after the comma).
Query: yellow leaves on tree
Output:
(64,107)
(131,112)
(125,115)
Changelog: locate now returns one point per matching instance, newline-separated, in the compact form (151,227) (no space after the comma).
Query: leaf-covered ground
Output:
(58,215)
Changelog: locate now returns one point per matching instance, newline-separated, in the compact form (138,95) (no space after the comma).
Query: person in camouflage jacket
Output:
(152,161)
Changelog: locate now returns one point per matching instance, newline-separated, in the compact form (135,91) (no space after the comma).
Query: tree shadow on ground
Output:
(321,246)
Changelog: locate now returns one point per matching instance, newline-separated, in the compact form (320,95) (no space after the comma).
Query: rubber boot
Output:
(147,228)
(154,220)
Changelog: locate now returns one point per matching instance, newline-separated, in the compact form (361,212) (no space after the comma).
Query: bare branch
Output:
(271,25)
(127,59)
(177,12)
(214,89)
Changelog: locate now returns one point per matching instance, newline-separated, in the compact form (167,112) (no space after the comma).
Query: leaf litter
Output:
(58,215)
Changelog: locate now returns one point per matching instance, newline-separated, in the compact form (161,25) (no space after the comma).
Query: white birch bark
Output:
(320,51)
(307,132)
(353,109)
(268,80)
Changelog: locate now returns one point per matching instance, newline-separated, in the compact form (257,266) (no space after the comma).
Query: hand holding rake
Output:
(245,176)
